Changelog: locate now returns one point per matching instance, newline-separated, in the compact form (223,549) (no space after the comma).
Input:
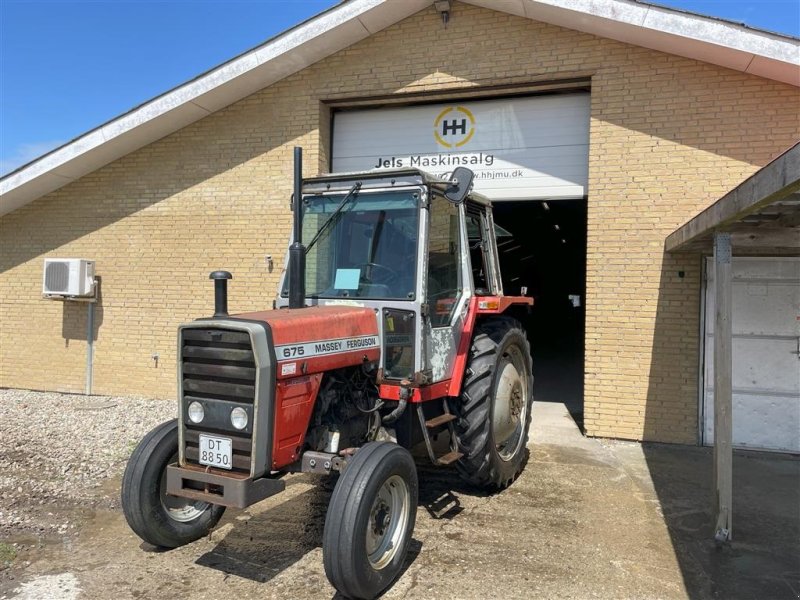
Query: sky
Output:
(67,66)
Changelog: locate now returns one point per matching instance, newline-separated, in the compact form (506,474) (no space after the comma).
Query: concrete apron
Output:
(582,521)
(672,494)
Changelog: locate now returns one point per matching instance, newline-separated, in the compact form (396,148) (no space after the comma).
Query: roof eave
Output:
(716,41)
(719,42)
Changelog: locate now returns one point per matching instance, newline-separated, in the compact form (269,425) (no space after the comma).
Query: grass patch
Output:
(125,453)
(7,554)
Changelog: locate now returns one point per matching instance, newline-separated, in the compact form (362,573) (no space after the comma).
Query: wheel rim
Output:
(388,520)
(178,509)
(510,404)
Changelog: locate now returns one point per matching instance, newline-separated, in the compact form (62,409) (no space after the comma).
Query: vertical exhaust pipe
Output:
(297,251)
(220,292)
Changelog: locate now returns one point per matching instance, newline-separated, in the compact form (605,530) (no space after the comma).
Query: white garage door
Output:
(766,364)
(519,148)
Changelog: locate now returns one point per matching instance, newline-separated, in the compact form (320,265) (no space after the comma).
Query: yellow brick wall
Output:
(668,137)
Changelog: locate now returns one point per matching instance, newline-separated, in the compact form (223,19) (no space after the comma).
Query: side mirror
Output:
(460,184)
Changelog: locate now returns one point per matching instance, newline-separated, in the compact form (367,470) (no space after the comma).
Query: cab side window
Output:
(444,272)
(480,249)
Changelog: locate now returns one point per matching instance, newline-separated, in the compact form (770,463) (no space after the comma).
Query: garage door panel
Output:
(564,132)
(762,422)
(542,161)
(761,307)
(541,121)
(765,308)
(767,268)
(762,363)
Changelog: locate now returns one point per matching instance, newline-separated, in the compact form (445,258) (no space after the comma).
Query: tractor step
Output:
(449,458)
(440,420)
(446,418)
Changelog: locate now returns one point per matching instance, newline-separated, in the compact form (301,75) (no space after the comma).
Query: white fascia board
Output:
(764,67)
(667,30)
(284,55)
(723,33)
(572,13)
(513,7)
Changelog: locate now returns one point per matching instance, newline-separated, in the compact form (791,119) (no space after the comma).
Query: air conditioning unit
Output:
(68,277)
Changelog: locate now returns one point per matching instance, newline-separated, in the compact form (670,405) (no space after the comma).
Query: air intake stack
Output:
(220,292)
(297,251)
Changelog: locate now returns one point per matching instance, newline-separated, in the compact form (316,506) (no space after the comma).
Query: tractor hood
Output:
(319,338)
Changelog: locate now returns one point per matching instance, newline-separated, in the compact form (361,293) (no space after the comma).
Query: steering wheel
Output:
(390,274)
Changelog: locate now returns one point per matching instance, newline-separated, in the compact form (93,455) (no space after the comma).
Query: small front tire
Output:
(159,519)
(370,520)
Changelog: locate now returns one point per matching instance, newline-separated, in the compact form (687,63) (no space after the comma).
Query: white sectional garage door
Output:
(519,148)
(766,364)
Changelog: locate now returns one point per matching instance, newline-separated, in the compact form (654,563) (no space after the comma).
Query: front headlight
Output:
(196,412)
(239,417)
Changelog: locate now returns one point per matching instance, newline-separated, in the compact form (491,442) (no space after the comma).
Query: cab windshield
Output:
(369,248)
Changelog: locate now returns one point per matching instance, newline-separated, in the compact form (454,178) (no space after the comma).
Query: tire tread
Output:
(339,537)
(140,500)
(480,466)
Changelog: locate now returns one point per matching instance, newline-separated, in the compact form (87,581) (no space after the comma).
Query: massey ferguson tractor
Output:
(391,327)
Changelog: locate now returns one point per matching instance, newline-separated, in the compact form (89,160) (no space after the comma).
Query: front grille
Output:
(218,366)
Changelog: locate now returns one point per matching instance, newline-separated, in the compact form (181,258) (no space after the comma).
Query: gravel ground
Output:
(62,452)
(587,519)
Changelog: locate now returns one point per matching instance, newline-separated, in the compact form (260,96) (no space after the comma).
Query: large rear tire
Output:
(494,410)
(159,519)
(370,520)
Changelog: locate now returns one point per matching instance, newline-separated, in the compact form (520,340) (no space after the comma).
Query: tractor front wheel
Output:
(370,520)
(494,410)
(156,517)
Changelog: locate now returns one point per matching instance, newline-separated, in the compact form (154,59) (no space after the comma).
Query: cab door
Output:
(448,286)
(482,246)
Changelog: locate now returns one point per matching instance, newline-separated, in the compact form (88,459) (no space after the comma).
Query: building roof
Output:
(707,39)
(761,212)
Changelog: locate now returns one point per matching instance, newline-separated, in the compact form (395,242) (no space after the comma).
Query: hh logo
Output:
(454,127)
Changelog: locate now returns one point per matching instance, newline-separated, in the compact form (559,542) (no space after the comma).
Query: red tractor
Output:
(391,327)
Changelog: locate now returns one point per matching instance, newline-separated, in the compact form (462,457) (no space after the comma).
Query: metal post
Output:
(723,394)
(89,348)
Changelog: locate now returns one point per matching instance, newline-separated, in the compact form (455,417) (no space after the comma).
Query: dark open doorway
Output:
(546,253)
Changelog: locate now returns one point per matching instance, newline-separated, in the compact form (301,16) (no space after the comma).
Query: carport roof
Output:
(761,212)
(712,40)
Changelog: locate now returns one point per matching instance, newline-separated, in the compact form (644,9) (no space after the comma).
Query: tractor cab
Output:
(414,247)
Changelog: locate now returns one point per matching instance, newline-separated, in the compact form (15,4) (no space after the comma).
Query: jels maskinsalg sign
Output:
(519,148)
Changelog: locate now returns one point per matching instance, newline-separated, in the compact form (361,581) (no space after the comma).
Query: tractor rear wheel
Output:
(370,520)
(159,519)
(494,410)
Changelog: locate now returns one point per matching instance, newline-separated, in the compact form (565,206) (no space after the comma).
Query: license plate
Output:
(216,451)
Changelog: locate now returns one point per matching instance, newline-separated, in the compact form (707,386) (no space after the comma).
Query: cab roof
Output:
(382,179)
